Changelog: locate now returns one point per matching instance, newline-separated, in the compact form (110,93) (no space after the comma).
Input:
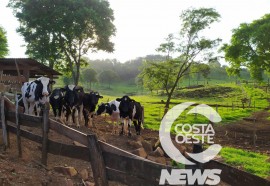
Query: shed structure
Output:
(15,71)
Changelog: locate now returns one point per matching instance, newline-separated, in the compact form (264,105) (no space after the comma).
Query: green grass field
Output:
(251,162)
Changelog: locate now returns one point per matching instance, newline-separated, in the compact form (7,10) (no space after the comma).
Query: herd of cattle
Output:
(71,105)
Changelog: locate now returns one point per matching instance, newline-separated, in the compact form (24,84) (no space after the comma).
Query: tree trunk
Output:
(77,74)
(167,105)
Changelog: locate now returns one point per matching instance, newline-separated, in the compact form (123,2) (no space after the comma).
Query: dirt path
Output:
(251,133)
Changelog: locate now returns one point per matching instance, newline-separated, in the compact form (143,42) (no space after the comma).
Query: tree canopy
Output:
(60,32)
(190,46)
(250,47)
(108,76)
(3,43)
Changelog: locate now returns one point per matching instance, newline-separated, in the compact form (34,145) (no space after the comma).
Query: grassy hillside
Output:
(226,98)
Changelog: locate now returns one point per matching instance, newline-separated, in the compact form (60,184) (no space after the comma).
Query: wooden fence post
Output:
(18,126)
(97,161)
(45,130)
(3,120)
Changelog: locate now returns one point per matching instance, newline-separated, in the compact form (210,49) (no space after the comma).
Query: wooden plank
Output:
(45,131)
(235,176)
(112,149)
(54,147)
(24,133)
(68,132)
(25,120)
(4,122)
(134,166)
(18,126)
(71,151)
(122,177)
(97,161)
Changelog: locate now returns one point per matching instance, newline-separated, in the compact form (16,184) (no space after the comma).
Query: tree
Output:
(3,43)
(159,75)
(61,32)
(250,47)
(89,76)
(108,76)
(191,47)
(200,69)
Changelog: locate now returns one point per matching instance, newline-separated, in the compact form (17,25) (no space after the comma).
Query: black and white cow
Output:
(57,101)
(35,93)
(73,105)
(130,110)
(111,108)
(90,101)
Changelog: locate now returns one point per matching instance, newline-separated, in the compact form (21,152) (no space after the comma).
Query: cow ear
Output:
(100,96)
(78,88)
(37,81)
(118,99)
(63,89)
(132,100)
(52,82)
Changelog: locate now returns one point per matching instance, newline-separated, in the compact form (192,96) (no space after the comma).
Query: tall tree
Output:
(108,76)
(250,47)
(3,43)
(89,76)
(63,31)
(191,46)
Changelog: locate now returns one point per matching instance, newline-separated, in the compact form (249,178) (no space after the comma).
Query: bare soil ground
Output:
(251,133)
(28,171)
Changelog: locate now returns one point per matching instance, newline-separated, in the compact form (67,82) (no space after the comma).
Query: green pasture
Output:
(230,110)
(251,162)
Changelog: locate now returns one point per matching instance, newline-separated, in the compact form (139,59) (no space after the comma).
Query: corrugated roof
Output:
(35,68)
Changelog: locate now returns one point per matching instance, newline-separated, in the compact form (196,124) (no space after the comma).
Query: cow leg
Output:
(69,118)
(126,125)
(63,116)
(37,109)
(91,116)
(26,106)
(136,126)
(122,127)
(86,119)
(54,111)
(76,117)
(129,124)
(81,113)
(31,108)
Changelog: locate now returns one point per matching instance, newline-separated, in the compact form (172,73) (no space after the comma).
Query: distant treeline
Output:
(109,71)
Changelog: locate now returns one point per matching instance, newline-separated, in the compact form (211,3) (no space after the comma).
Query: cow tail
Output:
(142,117)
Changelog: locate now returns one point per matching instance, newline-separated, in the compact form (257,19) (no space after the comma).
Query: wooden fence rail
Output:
(107,162)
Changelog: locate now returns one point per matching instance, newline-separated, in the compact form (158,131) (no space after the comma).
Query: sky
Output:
(142,25)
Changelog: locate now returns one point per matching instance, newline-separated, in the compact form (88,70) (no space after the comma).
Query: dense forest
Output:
(108,72)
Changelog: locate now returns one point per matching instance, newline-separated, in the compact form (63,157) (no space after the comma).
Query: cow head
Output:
(101,109)
(106,108)
(58,93)
(43,87)
(94,97)
(126,106)
(71,95)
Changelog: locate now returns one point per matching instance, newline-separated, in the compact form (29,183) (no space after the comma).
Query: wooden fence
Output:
(107,162)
